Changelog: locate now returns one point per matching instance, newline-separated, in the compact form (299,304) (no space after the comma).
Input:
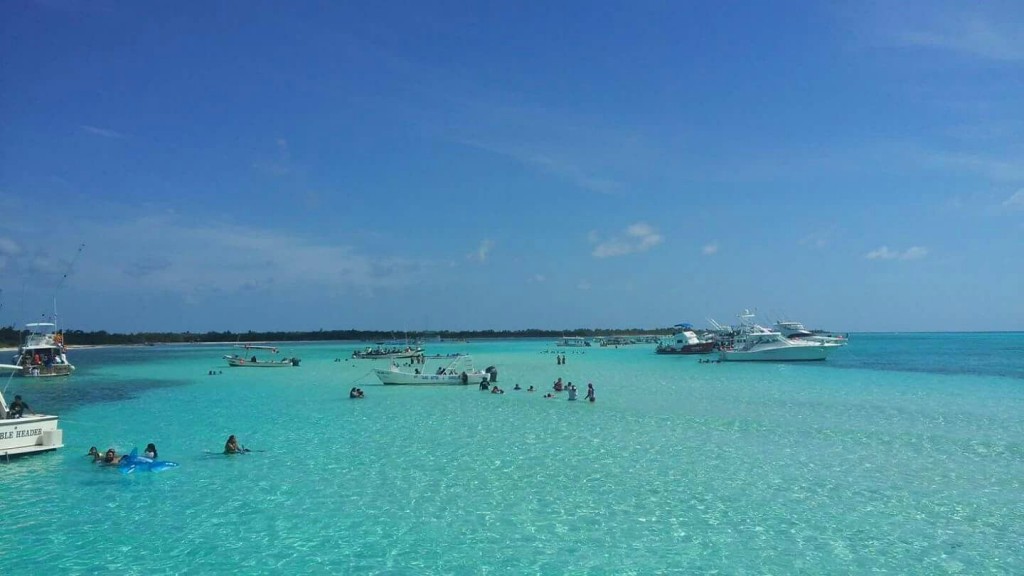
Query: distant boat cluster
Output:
(43,354)
(786,341)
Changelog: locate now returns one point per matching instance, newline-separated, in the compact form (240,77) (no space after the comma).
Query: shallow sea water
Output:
(902,454)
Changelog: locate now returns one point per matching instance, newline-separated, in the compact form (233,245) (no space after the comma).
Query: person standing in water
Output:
(590,392)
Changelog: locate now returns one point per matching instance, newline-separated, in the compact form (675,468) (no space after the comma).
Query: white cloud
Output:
(549,163)
(280,164)
(105,132)
(482,251)
(998,169)
(9,247)
(169,255)
(9,250)
(884,253)
(914,253)
(638,237)
(1016,201)
(819,239)
(710,249)
(968,34)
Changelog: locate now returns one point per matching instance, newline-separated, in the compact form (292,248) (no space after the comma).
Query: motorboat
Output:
(616,341)
(388,353)
(459,371)
(573,342)
(28,433)
(752,342)
(796,330)
(254,361)
(685,341)
(43,353)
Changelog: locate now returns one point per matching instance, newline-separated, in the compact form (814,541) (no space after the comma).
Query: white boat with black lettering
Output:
(269,359)
(459,371)
(26,432)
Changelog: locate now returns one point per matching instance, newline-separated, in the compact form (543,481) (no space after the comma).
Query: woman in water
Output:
(96,456)
(590,392)
(150,451)
(232,447)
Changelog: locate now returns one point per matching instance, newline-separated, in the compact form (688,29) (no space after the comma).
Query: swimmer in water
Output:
(232,446)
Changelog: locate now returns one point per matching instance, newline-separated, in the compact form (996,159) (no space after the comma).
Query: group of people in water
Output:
(111,457)
(569,387)
(558,386)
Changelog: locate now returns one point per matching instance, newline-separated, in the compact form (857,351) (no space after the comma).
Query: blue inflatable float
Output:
(133,462)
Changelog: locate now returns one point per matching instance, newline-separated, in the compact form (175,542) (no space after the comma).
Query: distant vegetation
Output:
(9,336)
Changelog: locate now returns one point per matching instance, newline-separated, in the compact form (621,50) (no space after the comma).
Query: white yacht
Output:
(27,432)
(43,353)
(796,330)
(753,342)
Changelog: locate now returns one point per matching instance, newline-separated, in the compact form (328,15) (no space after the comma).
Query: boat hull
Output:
(55,371)
(30,434)
(243,363)
(702,348)
(780,354)
(399,378)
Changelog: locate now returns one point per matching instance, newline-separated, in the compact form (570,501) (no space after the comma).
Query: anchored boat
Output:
(43,353)
(458,371)
(254,361)
(26,432)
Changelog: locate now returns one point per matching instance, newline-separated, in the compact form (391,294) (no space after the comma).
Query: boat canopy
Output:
(255,347)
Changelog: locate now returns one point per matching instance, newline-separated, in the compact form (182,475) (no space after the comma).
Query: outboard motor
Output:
(492,373)
(295,361)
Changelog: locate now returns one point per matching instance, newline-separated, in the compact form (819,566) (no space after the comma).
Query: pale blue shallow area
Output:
(902,454)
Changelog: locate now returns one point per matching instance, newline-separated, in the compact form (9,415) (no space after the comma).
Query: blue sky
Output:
(468,165)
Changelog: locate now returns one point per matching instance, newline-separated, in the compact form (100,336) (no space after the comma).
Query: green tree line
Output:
(9,336)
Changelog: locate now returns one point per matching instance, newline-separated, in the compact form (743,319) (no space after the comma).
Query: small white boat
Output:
(28,433)
(43,354)
(753,343)
(254,361)
(685,341)
(458,371)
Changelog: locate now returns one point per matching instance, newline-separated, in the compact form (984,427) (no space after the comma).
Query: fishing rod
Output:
(60,283)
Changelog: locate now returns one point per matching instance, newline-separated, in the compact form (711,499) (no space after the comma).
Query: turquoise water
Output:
(902,454)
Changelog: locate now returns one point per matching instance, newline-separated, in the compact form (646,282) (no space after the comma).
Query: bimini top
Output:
(255,347)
